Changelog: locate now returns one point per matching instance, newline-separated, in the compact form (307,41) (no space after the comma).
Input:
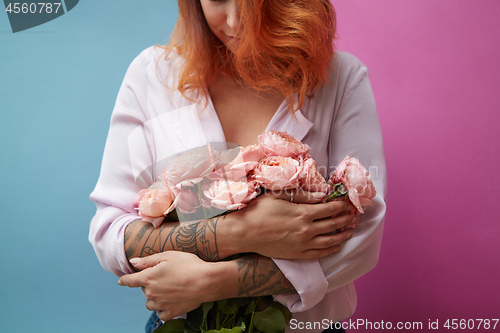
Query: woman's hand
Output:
(274,227)
(178,282)
(270,225)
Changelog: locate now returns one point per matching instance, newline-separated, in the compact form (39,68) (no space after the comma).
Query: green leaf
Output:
(206,307)
(194,319)
(188,329)
(172,326)
(284,310)
(251,307)
(237,329)
(228,306)
(271,320)
(221,304)
(242,301)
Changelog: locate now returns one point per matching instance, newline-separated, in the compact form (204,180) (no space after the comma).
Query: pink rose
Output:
(230,195)
(278,173)
(251,153)
(282,144)
(248,158)
(187,201)
(357,180)
(310,179)
(154,203)
(189,168)
(238,168)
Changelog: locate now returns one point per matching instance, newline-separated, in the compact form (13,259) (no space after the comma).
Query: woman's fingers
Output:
(325,245)
(146,262)
(327,225)
(173,310)
(314,205)
(320,253)
(134,280)
(327,209)
(167,311)
(321,241)
(151,306)
(300,196)
(294,225)
(327,241)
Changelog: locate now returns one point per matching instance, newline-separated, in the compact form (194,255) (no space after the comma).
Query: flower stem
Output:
(250,327)
(217,319)
(339,190)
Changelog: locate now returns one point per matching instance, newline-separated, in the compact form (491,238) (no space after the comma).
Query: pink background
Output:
(435,70)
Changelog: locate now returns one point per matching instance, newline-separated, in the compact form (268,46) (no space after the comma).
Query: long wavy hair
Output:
(285,47)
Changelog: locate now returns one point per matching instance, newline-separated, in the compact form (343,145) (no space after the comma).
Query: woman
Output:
(232,70)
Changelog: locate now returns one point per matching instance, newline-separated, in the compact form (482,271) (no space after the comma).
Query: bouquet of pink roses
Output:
(214,182)
(205,182)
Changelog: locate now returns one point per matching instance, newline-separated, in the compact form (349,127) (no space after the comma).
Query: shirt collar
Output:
(284,121)
(296,125)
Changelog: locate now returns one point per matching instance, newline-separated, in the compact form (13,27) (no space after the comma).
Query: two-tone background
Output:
(436,76)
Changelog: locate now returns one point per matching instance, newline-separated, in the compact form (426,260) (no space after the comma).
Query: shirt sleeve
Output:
(116,189)
(356,132)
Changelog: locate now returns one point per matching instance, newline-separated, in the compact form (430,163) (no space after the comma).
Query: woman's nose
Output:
(233,16)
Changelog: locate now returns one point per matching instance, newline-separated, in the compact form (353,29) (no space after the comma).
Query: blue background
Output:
(58,84)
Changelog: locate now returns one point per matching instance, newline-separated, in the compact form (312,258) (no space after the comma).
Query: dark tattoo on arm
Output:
(199,239)
(142,239)
(259,276)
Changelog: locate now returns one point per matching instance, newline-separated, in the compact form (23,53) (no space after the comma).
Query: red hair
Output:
(285,46)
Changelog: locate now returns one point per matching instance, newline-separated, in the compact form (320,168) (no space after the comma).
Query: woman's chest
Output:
(243,115)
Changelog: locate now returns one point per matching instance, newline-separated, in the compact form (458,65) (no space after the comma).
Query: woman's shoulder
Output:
(345,75)
(158,55)
(347,67)
(155,61)
(343,60)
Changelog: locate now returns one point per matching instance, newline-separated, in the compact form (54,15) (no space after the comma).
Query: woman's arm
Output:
(142,239)
(270,226)
(172,293)
(177,282)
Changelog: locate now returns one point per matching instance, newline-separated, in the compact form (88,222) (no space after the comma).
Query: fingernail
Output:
(318,195)
(337,249)
(134,261)
(349,235)
(355,220)
(120,283)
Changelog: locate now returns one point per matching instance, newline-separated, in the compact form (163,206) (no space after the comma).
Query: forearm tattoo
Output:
(142,239)
(259,276)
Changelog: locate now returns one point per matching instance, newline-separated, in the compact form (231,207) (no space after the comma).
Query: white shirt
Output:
(151,122)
